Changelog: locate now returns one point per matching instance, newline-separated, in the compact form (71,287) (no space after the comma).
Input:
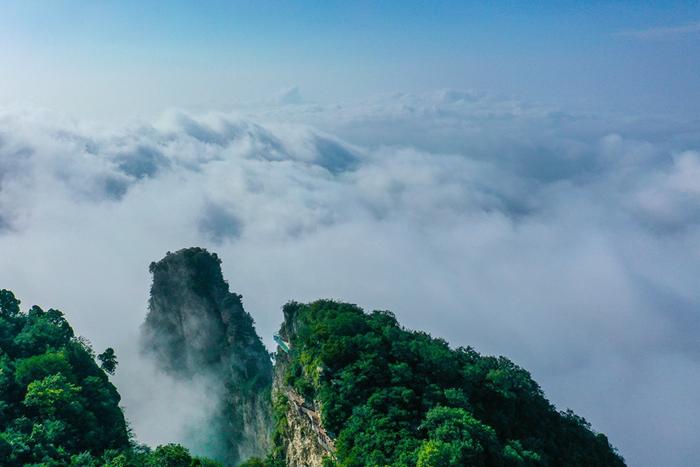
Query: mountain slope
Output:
(57,407)
(389,396)
(55,402)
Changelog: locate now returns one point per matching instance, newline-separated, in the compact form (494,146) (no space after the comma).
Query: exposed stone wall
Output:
(306,442)
(197,329)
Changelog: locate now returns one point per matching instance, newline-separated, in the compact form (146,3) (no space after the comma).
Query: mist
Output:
(567,242)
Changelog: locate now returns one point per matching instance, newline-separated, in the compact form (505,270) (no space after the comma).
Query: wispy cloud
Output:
(661,32)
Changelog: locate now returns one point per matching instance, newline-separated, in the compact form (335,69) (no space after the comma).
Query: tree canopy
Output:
(391,396)
(57,406)
(108,360)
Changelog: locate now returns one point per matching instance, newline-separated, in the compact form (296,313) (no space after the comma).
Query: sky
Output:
(524,180)
(119,58)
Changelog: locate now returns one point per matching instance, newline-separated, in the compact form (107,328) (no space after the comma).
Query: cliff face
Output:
(300,437)
(197,329)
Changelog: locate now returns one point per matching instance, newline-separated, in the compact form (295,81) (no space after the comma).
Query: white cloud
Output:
(566,242)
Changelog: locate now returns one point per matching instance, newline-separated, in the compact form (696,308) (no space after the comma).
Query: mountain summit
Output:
(197,329)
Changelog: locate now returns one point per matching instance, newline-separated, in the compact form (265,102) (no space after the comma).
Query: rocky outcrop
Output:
(303,441)
(196,328)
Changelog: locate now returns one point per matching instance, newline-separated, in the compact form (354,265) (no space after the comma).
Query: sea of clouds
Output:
(567,242)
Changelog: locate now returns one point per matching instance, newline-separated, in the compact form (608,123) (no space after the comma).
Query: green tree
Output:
(39,366)
(53,396)
(108,360)
(171,455)
(457,432)
(9,305)
(435,453)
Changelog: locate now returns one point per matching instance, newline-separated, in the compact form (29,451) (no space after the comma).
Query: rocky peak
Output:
(197,328)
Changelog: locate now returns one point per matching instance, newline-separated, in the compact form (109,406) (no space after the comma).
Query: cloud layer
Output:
(569,243)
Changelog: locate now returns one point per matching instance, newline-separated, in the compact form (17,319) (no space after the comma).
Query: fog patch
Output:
(219,224)
(334,157)
(142,162)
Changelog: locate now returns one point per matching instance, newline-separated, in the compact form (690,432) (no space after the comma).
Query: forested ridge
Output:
(390,396)
(373,392)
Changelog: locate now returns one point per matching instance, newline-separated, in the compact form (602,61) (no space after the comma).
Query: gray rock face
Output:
(197,329)
(303,439)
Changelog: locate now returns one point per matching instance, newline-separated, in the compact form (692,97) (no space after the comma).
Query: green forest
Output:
(57,406)
(390,396)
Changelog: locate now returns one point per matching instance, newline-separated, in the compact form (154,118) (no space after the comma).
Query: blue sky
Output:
(135,57)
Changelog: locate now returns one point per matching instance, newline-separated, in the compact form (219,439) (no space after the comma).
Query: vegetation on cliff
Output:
(396,397)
